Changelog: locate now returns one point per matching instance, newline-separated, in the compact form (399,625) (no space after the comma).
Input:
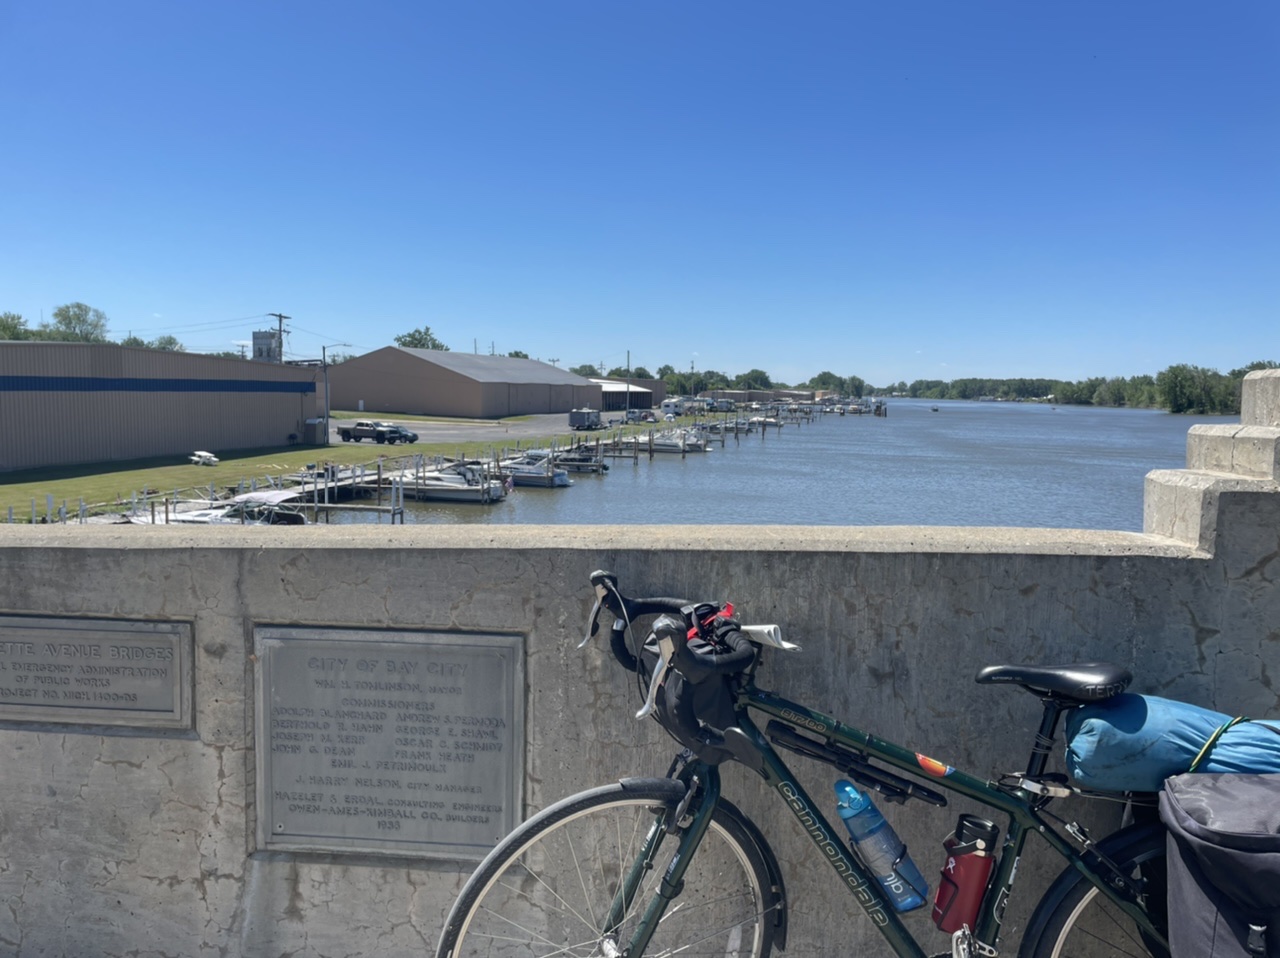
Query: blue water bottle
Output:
(879,846)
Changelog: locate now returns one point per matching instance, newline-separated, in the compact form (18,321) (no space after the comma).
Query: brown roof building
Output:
(465,385)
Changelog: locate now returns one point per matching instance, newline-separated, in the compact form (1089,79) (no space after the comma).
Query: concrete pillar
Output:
(1245,457)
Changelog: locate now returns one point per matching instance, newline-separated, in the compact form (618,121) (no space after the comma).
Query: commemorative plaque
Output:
(96,671)
(402,743)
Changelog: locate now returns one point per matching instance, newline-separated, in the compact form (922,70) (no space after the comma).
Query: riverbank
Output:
(103,486)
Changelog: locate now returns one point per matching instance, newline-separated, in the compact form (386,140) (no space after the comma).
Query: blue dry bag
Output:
(1132,743)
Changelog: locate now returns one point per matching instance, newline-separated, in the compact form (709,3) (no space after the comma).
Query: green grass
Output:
(104,486)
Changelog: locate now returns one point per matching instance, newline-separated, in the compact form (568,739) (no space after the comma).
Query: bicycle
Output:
(652,866)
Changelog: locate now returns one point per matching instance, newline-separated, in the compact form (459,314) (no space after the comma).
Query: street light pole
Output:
(324,361)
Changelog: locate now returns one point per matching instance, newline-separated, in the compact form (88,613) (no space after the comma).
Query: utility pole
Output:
(280,318)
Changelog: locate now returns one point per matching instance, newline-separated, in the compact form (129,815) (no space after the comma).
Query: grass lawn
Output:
(103,486)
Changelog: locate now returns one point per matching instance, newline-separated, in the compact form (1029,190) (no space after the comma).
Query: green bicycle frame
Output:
(673,879)
(1018,805)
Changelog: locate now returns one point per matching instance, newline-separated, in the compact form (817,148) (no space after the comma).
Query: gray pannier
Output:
(1224,864)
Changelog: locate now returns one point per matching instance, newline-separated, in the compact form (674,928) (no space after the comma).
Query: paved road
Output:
(474,430)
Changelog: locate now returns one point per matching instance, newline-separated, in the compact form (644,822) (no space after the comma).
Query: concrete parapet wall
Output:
(125,841)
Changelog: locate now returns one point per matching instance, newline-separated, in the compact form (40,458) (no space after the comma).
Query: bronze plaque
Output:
(95,671)
(403,743)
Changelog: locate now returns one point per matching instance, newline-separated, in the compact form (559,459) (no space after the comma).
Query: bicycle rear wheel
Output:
(1075,920)
(548,888)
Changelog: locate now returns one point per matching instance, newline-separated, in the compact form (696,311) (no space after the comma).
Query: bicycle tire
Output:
(1075,920)
(545,888)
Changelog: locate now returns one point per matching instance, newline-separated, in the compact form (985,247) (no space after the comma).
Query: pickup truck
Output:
(376,430)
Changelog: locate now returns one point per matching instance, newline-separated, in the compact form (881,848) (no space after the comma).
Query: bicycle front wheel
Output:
(1075,920)
(552,887)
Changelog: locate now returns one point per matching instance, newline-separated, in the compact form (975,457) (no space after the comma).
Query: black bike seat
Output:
(1085,682)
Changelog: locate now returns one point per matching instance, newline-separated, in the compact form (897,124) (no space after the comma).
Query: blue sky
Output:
(916,190)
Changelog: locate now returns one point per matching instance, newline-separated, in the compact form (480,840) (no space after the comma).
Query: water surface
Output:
(968,464)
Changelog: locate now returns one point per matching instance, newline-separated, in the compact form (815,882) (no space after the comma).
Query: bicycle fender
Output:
(752,831)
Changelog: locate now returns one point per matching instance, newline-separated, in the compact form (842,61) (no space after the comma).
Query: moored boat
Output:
(456,482)
(534,468)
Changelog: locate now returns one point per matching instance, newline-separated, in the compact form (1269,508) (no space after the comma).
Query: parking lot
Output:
(474,430)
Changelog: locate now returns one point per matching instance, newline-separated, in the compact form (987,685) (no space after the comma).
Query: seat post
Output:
(1053,709)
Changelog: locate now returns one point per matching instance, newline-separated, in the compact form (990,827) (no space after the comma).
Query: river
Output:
(968,464)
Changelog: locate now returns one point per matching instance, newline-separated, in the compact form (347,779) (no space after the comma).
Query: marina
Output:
(929,463)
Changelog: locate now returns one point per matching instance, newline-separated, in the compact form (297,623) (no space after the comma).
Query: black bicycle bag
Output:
(1224,865)
(694,714)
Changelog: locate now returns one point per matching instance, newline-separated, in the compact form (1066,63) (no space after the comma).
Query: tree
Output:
(827,381)
(1234,374)
(420,339)
(75,323)
(13,326)
(665,371)
(621,372)
(586,372)
(518,354)
(753,379)
(1110,393)
(715,379)
(165,343)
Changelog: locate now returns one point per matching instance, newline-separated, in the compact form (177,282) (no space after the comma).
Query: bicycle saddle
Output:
(1085,682)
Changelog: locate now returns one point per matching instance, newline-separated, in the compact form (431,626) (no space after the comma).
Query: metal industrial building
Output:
(66,403)
(465,385)
(617,396)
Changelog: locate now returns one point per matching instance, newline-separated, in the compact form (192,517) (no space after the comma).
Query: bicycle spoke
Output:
(554,894)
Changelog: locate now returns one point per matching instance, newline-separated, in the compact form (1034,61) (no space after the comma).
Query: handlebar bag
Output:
(1132,743)
(1224,865)
(694,714)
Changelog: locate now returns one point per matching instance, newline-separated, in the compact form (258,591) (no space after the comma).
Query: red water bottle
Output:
(965,873)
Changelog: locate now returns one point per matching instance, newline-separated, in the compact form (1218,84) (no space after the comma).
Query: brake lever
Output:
(666,651)
(595,624)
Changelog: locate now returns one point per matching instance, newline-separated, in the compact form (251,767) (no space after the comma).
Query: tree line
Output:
(1182,388)
(1179,389)
(78,323)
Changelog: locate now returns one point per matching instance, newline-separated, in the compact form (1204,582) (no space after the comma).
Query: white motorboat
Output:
(534,468)
(267,507)
(579,458)
(667,441)
(456,482)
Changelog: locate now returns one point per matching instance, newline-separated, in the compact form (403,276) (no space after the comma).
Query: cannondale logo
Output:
(833,852)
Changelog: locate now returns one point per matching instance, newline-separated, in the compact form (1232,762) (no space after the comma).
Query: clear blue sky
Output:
(915,190)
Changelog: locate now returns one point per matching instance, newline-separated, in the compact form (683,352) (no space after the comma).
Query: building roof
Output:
(497,369)
(613,386)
